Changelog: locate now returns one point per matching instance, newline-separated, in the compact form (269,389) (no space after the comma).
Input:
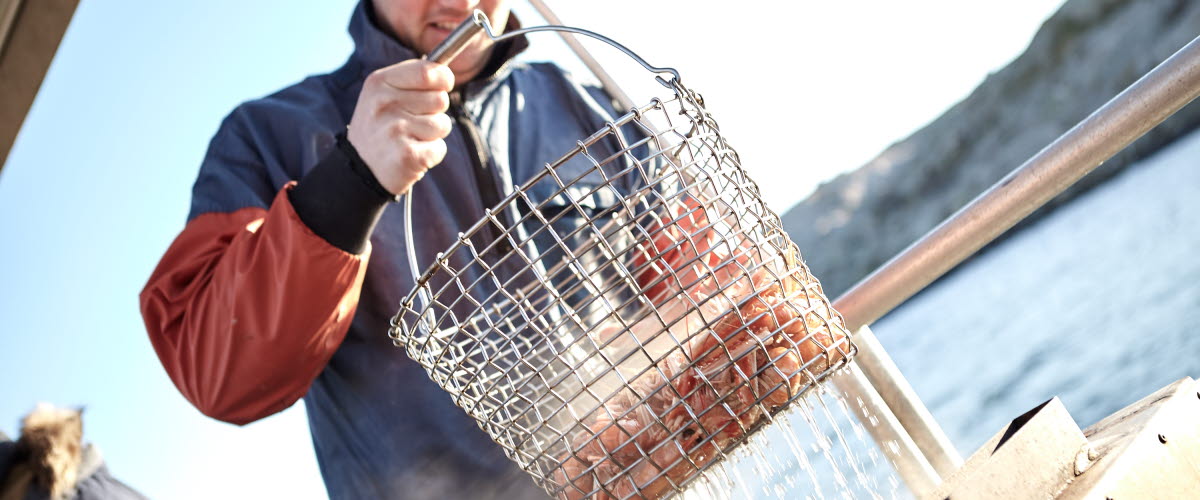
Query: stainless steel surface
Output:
(1044,454)
(1151,447)
(456,41)
(895,442)
(638,316)
(609,84)
(1146,103)
(893,388)
(1034,456)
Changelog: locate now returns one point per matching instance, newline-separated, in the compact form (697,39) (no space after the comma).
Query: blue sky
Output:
(98,182)
(93,192)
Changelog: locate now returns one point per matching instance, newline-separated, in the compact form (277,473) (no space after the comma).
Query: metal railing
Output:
(1139,108)
(1143,105)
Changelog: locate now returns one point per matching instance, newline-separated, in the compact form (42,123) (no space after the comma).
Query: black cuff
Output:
(340,199)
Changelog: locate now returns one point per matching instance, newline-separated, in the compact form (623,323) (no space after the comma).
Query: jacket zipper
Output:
(489,190)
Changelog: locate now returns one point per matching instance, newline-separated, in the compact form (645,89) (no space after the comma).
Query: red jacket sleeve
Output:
(245,309)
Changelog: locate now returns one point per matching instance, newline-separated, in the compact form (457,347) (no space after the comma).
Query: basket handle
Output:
(454,44)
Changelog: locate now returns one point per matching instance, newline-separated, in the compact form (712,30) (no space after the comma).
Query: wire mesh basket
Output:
(625,318)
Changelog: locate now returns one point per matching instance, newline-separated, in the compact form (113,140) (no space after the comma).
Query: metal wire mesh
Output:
(621,321)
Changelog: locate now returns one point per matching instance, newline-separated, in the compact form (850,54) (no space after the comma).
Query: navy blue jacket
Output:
(283,281)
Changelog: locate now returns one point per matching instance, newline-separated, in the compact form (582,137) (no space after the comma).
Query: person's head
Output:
(422,24)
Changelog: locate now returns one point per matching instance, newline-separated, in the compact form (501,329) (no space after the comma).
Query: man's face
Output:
(422,24)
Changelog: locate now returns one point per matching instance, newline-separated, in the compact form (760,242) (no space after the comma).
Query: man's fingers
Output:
(428,127)
(399,121)
(429,153)
(415,102)
(416,75)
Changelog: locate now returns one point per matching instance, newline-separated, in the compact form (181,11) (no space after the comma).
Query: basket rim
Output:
(421,285)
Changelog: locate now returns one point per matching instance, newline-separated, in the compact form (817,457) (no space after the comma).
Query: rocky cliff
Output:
(1082,56)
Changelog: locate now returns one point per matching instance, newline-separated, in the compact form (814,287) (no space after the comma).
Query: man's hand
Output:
(400,121)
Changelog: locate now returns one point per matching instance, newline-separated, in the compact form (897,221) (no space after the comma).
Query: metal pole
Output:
(903,401)
(893,440)
(1146,103)
(606,81)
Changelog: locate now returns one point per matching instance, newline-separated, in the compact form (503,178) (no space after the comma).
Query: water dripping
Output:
(815,449)
(793,445)
(735,468)
(823,445)
(851,457)
(872,450)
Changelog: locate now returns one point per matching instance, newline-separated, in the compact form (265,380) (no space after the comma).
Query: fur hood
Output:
(49,459)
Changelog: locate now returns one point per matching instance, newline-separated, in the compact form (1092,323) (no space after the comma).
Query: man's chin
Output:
(428,43)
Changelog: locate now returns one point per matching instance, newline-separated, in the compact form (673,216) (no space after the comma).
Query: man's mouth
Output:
(444,26)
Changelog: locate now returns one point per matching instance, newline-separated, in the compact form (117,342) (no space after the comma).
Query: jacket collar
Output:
(375,48)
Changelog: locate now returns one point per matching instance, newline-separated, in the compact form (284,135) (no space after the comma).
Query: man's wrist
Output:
(360,168)
(340,200)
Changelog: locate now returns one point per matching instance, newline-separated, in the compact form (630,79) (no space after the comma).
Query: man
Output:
(292,262)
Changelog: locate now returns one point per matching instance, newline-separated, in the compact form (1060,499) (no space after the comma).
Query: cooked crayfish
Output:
(733,338)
